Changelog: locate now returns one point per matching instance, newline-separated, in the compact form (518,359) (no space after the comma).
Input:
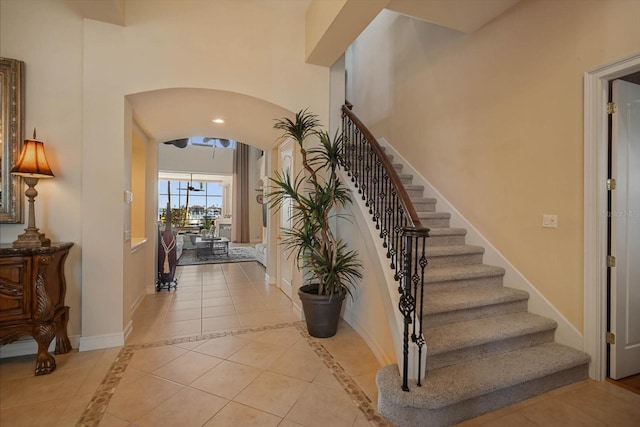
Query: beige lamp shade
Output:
(32,162)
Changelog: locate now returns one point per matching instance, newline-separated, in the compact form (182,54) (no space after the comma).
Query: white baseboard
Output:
(128,329)
(566,333)
(101,341)
(29,346)
(268,280)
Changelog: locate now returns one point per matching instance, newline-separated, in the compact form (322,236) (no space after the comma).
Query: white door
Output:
(625,231)
(285,264)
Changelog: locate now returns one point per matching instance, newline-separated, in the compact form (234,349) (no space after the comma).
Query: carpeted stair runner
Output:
(484,349)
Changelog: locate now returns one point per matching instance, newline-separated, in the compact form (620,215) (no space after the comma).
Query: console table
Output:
(32,291)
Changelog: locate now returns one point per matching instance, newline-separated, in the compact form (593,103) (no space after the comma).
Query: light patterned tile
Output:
(34,414)
(222,347)
(220,323)
(297,364)
(258,354)
(133,400)
(186,368)
(320,406)
(235,414)
(150,359)
(187,408)
(226,379)
(272,393)
(222,310)
(555,412)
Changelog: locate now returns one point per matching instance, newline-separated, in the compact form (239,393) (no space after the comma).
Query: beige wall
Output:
(138,183)
(52,52)
(494,121)
(78,74)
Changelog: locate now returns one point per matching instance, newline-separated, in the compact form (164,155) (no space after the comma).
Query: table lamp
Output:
(31,166)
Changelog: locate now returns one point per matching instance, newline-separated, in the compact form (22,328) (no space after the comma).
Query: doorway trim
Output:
(596,87)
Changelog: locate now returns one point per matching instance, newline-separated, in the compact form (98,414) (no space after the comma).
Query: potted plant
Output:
(331,269)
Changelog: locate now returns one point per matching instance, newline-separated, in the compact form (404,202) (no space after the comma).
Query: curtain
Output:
(240,211)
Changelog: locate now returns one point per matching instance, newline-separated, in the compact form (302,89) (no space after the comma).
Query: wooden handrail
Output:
(407,205)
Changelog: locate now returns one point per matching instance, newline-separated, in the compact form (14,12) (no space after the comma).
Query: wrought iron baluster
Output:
(401,232)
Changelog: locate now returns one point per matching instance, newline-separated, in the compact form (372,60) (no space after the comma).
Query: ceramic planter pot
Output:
(321,313)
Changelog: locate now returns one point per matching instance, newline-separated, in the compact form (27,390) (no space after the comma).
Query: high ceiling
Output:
(178,113)
(169,114)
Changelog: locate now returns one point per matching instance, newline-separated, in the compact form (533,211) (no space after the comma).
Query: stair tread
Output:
(453,250)
(453,384)
(455,336)
(423,199)
(433,215)
(446,231)
(441,302)
(461,272)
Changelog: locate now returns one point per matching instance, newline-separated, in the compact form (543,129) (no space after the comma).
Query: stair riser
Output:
(403,416)
(454,285)
(435,222)
(446,240)
(406,180)
(471,353)
(439,319)
(415,192)
(459,259)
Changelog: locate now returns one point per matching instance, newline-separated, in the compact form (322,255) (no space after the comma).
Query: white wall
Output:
(78,74)
(493,120)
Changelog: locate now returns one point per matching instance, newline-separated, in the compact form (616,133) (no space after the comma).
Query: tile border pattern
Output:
(97,407)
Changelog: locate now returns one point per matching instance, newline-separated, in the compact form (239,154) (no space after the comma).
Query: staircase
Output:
(484,349)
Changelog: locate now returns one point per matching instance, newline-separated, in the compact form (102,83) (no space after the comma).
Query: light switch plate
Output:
(128,196)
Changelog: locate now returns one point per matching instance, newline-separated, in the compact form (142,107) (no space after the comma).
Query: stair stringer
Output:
(377,291)
(566,333)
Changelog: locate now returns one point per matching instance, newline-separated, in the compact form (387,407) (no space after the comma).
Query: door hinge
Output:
(611,261)
(611,107)
(611,184)
(610,338)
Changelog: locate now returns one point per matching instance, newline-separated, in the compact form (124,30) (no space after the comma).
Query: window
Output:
(194,201)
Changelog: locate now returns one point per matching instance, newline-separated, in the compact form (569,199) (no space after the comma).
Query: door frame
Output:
(596,92)
(287,144)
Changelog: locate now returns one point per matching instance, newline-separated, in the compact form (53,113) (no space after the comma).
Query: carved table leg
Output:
(45,363)
(63,345)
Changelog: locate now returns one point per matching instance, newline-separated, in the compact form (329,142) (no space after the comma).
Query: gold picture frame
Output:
(11,139)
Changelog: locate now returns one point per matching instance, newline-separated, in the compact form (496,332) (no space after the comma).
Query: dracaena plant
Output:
(313,195)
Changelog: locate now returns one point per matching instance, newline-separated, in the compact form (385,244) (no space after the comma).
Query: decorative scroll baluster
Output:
(402,234)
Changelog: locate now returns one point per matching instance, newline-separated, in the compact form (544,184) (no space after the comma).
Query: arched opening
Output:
(178,113)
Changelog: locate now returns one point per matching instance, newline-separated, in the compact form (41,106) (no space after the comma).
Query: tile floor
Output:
(226,350)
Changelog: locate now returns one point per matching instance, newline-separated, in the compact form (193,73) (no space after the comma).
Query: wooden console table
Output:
(32,291)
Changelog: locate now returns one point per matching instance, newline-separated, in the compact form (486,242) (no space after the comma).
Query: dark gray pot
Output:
(321,313)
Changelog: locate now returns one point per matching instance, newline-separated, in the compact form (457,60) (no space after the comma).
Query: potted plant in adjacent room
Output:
(330,267)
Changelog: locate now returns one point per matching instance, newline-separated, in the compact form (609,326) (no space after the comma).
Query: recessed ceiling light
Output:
(217,121)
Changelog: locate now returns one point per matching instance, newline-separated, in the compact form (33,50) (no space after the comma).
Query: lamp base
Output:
(32,239)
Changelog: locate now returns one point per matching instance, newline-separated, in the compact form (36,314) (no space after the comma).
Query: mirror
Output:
(11,137)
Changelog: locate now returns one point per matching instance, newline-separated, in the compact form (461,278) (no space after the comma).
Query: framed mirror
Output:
(11,137)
